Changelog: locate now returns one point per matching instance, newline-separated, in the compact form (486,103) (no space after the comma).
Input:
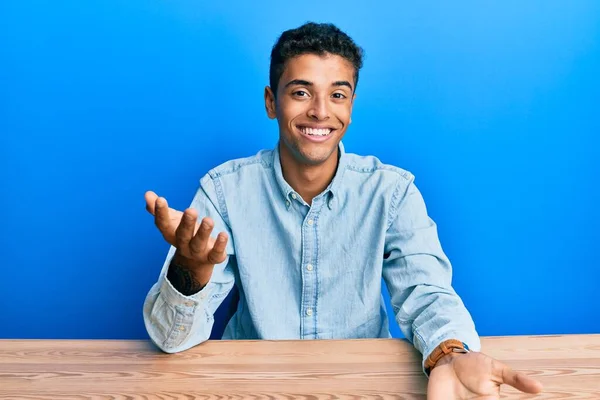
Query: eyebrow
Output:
(307,83)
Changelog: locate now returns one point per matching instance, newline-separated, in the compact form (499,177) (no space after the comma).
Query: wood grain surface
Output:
(568,366)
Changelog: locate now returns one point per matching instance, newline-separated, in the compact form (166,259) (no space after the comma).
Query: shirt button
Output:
(309,267)
(310,221)
(309,312)
(294,196)
(189,303)
(182,328)
(287,203)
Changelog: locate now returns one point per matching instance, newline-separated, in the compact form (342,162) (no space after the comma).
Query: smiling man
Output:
(307,231)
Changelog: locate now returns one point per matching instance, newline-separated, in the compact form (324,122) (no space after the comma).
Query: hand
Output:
(192,240)
(475,376)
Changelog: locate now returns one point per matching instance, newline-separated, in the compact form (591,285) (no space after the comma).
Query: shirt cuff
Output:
(176,299)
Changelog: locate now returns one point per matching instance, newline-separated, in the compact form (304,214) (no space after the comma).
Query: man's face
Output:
(313,106)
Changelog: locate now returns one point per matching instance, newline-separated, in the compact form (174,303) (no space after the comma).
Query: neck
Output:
(307,180)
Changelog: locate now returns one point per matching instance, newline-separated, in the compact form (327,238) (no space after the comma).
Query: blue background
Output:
(493,106)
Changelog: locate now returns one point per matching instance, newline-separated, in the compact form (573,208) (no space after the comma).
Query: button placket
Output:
(308,270)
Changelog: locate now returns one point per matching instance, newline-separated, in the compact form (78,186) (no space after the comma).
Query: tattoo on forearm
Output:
(183,280)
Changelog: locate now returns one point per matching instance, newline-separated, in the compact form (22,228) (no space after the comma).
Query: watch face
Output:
(457,350)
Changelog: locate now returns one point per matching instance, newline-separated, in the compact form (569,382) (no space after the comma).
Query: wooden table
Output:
(568,366)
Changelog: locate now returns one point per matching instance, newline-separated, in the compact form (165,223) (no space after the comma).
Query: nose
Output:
(318,109)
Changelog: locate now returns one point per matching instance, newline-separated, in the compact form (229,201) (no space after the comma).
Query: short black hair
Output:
(313,38)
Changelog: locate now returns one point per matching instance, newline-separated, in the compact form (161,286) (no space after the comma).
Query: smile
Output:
(315,134)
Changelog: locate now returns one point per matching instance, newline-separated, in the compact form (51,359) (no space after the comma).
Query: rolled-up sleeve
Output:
(419,277)
(176,322)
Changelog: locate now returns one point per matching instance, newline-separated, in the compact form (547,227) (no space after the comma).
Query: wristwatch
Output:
(446,347)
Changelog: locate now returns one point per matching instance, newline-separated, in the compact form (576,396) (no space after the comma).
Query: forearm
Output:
(419,278)
(436,315)
(187,278)
(175,321)
(427,308)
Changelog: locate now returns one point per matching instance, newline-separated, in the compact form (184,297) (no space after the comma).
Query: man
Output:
(307,231)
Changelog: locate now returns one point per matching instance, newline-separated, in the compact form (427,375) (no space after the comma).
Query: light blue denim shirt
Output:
(314,271)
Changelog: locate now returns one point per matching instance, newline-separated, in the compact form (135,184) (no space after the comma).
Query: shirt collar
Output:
(333,187)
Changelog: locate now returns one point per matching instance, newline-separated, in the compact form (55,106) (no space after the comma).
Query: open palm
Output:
(182,230)
(475,376)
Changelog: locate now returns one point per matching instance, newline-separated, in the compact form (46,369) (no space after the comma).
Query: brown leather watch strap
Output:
(446,347)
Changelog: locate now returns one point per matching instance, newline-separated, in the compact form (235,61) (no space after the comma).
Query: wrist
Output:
(446,359)
(444,353)
(186,277)
(199,272)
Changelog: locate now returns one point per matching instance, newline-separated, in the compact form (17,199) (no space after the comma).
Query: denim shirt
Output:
(314,271)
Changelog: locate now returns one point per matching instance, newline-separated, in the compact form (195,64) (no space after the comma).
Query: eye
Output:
(300,93)
(339,96)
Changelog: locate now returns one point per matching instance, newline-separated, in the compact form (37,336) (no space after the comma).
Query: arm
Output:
(418,276)
(179,308)
(428,310)
(185,277)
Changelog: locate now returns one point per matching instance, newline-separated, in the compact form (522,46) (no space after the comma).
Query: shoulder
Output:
(253,164)
(372,167)
(387,182)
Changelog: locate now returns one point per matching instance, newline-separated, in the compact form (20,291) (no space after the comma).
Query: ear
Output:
(270,105)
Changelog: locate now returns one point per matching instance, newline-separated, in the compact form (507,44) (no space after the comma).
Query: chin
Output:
(316,158)
(309,153)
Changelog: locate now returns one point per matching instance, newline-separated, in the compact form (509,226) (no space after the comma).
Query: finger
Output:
(150,198)
(185,231)
(218,254)
(199,242)
(519,380)
(161,216)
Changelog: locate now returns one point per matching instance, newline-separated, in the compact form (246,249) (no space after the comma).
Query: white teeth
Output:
(315,132)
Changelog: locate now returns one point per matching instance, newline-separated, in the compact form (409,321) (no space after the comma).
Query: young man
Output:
(307,231)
